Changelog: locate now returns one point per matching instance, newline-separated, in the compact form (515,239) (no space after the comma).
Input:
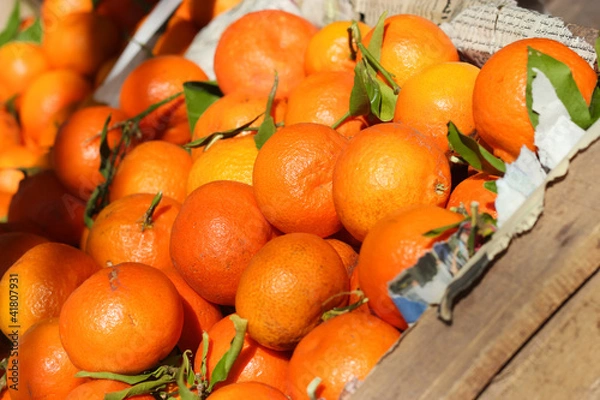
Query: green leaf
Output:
(224,365)
(336,311)
(12,25)
(205,341)
(562,80)
(387,104)
(267,128)
(491,186)
(597,47)
(443,229)
(360,103)
(96,201)
(213,137)
(129,379)
(595,105)
(147,221)
(3,366)
(377,37)
(185,378)
(34,33)
(140,388)
(198,97)
(474,154)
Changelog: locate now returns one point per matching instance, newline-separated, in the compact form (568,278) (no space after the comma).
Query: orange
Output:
(202,12)
(152,167)
(36,286)
(386,167)
(394,244)
(14,244)
(41,368)
(329,50)
(125,13)
(247,390)
(21,63)
(216,233)
(262,43)
(119,234)
(470,190)
(123,319)
(410,44)
(499,100)
(199,315)
(255,363)
(104,71)
(43,201)
(46,103)
(10,179)
(20,156)
(292,178)
(339,350)
(287,287)
(81,42)
(177,37)
(324,98)
(437,95)
(155,80)
(10,133)
(96,389)
(232,111)
(230,159)
(76,151)
(346,252)
(53,11)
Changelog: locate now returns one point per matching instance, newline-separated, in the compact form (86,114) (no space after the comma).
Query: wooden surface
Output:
(562,361)
(535,276)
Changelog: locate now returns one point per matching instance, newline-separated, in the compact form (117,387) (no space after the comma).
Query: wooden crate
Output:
(530,329)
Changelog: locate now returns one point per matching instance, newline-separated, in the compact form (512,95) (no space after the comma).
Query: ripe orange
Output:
(122,319)
(437,95)
(21,63)
(470,190)
(76,151)
(262,43)
(386,167)
(10,133)
(346,252)
(410,44)
(216,233)
(232,111)
(395,243)
(287,287)
(255,363)
(20,156)
(47,102)
(155,80)
(96,389)
(292,178)
(43,201)
(53,11)
(177,37)
(328,49)
(199,315)
(499,103)
(152,167)
(231,159)
(81,42)
(247,390)
(202,12)
(42,279)
(14,244)
(341,349)
(41,368)
(324,98)
(119,235)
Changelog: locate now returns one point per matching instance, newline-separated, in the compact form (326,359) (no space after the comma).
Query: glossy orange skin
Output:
(395,243)
(43,367)
(499,99)
(21,63)
(437,95)
(251,390)
(471,189)
(218,230)
(152,167)
(52,11)
(346,252)
(263,42)
(96,389)
(337,351)
(76,151)
(44,202)
(386,167)
(411,43)
(255,363)
(324,98)
(123,319)
(292,178)
(117,235)
(287,287)
(177,37)
(46,276)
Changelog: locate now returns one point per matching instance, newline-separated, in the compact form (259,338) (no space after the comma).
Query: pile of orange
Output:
(276,232)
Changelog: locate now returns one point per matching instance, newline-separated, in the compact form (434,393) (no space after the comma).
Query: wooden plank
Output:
(562,360)
(519,293)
